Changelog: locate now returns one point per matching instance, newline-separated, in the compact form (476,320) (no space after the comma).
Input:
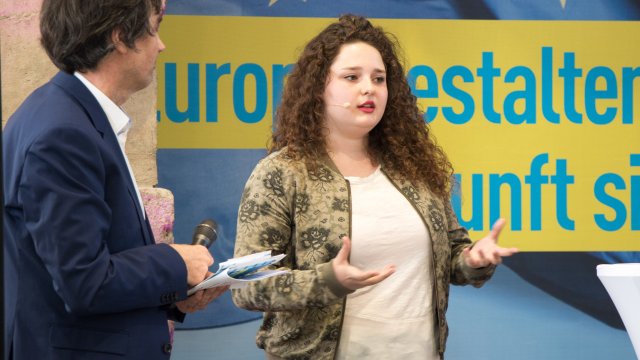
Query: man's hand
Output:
(350,276)
(200,299)
(486,250)
(197,258)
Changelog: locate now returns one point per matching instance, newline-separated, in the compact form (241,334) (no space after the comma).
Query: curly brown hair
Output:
(401,141)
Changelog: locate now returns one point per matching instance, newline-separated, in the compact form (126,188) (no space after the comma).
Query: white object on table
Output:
(622,282)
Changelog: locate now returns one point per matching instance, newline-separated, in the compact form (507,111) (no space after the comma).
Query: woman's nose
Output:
(367,88)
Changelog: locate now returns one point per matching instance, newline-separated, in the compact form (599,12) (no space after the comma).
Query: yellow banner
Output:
(541,119)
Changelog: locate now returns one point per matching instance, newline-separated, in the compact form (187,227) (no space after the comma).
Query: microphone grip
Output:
(199,239)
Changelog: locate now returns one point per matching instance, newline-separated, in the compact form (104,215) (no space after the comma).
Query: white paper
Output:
(237,272)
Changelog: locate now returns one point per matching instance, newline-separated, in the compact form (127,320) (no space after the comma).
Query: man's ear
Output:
(117,42)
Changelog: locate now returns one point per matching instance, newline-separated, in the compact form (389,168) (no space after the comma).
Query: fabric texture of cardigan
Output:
(289,208)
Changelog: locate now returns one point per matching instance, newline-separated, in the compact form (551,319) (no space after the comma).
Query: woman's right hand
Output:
(350,276)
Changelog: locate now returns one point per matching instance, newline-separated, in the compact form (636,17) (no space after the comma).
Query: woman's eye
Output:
(379,79)
(351,77)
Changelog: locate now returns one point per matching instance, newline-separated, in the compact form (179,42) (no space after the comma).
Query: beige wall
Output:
(25,66)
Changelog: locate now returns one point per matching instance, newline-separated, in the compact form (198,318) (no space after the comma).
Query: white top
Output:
(393,319)
(120,123)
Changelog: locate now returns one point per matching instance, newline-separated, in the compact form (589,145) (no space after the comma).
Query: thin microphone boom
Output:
(345,105)
(205,233)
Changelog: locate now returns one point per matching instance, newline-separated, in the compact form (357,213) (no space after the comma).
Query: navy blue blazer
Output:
(83,276)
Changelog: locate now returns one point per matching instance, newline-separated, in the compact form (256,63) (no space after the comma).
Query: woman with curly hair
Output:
(356,192)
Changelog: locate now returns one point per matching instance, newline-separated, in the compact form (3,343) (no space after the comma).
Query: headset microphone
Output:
(345,105)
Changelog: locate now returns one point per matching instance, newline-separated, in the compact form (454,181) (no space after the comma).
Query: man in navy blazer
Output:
(84,278)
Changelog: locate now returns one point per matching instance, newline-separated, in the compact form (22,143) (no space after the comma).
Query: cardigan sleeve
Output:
(461,273)
(266,222)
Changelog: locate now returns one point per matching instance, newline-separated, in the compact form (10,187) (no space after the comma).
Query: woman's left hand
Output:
(486,251)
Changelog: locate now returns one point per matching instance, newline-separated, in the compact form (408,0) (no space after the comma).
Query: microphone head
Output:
(205,233)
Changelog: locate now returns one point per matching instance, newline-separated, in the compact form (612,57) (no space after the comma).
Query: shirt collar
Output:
(118,119)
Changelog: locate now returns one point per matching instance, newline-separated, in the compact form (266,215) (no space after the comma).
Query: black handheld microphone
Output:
(205,233)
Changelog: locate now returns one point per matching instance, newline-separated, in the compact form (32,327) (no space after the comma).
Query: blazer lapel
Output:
(74,87)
